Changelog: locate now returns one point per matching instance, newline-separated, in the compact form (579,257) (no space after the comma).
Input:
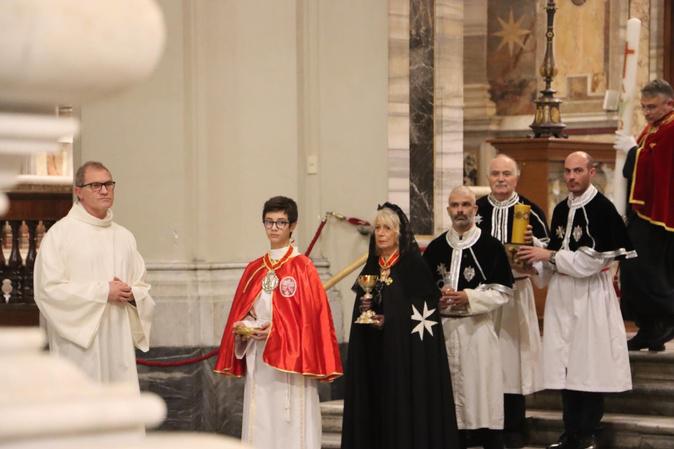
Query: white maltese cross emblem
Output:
(478,219)
(560,232)
(469,273)
(577,233)
(424,324)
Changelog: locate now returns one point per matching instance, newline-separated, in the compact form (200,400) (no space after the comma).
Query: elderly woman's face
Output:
(385,237)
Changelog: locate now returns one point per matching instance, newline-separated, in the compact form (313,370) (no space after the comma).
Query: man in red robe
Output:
(280,335)
(647,284)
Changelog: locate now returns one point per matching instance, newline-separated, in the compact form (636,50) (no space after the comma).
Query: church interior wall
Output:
(244,94)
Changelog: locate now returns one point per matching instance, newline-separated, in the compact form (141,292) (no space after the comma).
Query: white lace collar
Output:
(514,198)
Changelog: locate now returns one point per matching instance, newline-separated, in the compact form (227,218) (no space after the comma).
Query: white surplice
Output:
(473,350)
(517,320)
(584,334)
(78,257)
(280,410)
(520,340)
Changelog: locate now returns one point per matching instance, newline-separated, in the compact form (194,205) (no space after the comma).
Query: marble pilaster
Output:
(479,109)
(398,104)
(422,90)
(449,98)
(444,169)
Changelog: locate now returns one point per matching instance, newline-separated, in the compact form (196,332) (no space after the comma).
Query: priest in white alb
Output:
(89,284)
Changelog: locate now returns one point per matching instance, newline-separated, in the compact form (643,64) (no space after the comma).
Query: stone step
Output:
(619,431)
(647,398)
(331,440)
(653,367)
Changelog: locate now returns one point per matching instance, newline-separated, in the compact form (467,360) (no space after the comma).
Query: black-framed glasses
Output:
(280,224)
(97,186)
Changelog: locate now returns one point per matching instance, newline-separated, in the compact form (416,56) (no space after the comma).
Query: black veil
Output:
(413,270)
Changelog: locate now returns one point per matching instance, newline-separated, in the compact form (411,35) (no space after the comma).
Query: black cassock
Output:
(398,390)
(496,218)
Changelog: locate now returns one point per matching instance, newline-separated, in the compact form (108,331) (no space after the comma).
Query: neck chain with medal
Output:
(270,280)
(385,265)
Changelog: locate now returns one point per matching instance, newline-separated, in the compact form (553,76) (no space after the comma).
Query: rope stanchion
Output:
(324,220)
(183,362)
(362,226)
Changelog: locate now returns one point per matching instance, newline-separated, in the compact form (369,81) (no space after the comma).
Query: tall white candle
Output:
(629,99)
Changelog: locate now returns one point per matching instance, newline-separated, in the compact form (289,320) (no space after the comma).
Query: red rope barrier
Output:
(360,224)
(182,362)
(316,234)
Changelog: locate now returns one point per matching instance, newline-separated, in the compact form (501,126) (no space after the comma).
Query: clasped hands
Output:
(119,292)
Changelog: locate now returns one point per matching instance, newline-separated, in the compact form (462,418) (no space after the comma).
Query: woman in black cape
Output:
(398,391)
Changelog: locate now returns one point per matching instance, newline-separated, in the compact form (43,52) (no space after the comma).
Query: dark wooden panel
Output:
(19,315)
(38,205)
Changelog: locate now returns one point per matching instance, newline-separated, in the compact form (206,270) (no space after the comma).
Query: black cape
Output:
(597,230)
(485,213)
(484,263)
(398,392)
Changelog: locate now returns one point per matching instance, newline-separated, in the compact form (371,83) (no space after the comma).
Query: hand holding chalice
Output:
(367,282)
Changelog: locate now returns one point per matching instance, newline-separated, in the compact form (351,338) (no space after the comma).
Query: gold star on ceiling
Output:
(511,32)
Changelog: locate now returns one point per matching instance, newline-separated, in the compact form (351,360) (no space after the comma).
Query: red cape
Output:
(302,336)
(652,194)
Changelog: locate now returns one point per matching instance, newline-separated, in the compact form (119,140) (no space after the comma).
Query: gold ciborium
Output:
(367,283)
(519,229)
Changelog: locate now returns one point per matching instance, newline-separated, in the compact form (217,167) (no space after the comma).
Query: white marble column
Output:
(399,104)
(449,16)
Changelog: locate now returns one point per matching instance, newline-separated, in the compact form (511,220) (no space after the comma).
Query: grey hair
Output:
(657,87)
(82,170)
(514,162)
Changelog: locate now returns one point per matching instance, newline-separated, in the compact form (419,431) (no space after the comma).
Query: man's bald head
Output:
(581,155)
(503,159)
(578,172)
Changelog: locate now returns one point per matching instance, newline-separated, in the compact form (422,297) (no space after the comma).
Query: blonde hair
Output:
(389,218)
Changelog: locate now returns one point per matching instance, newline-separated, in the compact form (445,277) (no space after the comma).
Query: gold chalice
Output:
(367,283)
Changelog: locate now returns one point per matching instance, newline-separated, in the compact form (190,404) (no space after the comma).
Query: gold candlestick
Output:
(520,223)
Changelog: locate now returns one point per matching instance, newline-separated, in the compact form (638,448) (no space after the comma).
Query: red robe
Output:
(302,335)
(652,194)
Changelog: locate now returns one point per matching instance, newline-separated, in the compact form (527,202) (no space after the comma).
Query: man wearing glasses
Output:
(648,284)
(280,335)
(90,287)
